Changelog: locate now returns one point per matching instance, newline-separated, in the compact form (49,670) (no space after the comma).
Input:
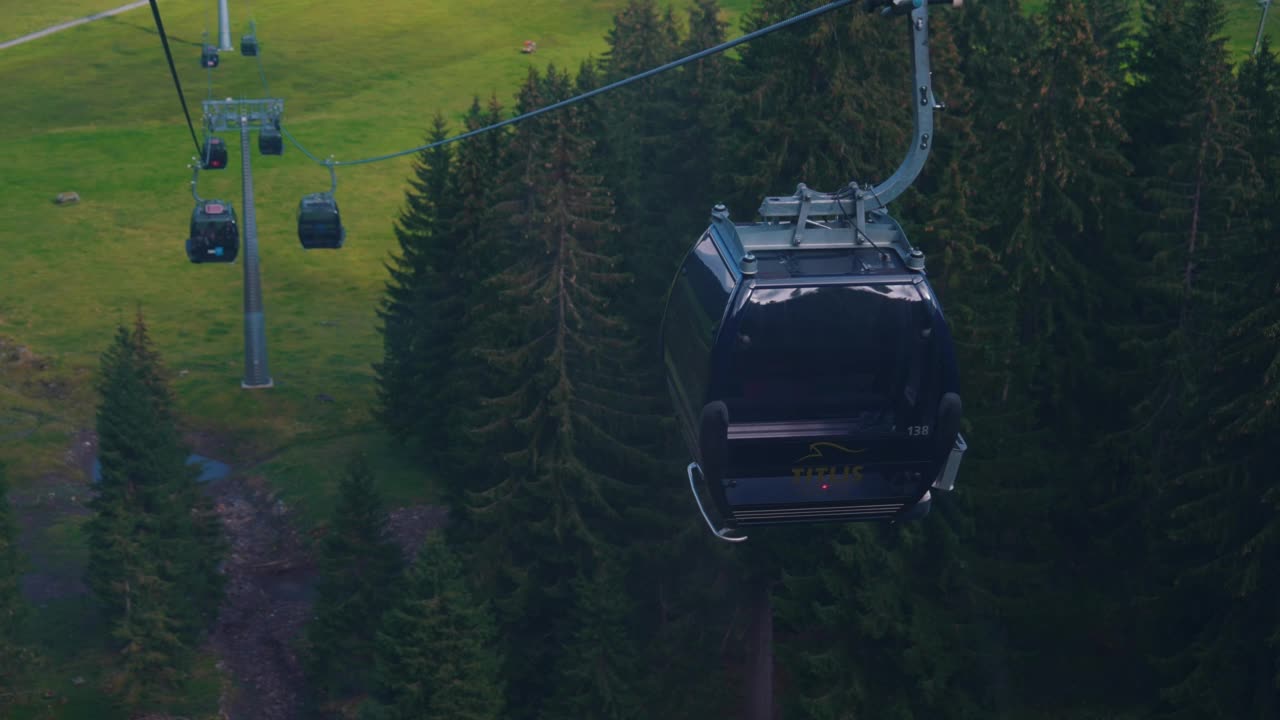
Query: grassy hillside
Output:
(92,109)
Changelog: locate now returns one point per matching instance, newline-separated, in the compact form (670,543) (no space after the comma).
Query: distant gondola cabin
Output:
(269,140)
(319,222)
(248,45)
(213,155)
(215,236)
(209,56)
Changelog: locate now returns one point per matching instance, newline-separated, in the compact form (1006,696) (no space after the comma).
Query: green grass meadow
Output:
(93,109)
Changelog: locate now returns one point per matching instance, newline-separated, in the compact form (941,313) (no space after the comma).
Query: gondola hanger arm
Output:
(923,100)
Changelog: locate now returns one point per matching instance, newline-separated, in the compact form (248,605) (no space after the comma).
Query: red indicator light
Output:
(825,486)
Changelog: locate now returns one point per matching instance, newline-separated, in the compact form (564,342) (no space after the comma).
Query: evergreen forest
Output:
(1095,213)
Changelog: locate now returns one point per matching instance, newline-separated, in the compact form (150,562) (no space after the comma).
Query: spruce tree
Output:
(888,626)
(414,326)
(359,567)
(1220,533)
(437,646)
(478,242)
(1065,163)
(1193,203)
(154,657)
(194,543)
(599,672)
(154,544)
(638,158)
(561,427)
(644,142)
(823,104)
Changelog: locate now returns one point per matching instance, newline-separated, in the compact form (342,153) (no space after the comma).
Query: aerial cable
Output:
(266,90)
(590,94)
(164,40)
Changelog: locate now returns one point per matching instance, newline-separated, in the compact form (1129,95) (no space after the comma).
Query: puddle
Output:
(210,469)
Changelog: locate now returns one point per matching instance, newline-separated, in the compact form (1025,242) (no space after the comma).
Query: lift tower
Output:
(224,26)
(244,115)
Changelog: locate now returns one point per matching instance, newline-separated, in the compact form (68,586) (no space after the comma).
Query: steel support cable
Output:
(266,90)
(584,96)
(164,40)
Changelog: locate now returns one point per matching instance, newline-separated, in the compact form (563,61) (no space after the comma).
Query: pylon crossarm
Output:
(256,112)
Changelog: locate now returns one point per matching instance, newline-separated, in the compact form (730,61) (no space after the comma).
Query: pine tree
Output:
(359,567)
(560,429)
(154,544)
(410,374)
(154,657)
(193,538)
(639,138)
(636,120)
(1027,300)
(1220,534)
(822,104)
(887,626)
(436,647)
(12,609)
(600,670)
(479,243)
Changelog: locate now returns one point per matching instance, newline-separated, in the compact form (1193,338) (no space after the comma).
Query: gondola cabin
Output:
(812,372)
(248,45)
(209,56)
(270,141)
(214,235)
(213,156)
(319,222)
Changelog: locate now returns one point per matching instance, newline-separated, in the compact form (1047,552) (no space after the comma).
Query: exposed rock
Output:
(67,198)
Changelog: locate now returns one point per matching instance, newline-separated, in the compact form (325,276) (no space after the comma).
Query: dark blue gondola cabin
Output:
(213,156)
(209,56)
(214,238)
(248,45)
(270,141)
(320,223)
(813,381)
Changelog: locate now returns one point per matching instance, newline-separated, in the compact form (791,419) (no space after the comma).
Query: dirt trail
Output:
(270,587)
(270,572)
(70,24)
(271,581)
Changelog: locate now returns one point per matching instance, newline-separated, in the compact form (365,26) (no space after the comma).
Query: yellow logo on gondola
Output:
(827,474)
